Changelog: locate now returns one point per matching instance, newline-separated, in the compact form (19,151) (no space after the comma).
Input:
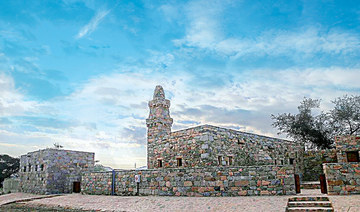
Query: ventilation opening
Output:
(76,187)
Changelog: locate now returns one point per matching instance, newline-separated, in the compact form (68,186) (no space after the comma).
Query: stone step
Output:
(309,204)
(296,199)
(310,209)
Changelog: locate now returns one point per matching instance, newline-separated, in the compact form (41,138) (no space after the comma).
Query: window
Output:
(352,156)
(275,162)
(179,162)
(220,160)
(36,168)
(230,160)
(282,162)
(42,167)
(29,168)
(291,160)
(160,163)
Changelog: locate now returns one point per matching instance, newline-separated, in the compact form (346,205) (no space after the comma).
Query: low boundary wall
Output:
(342,178)
(211,181)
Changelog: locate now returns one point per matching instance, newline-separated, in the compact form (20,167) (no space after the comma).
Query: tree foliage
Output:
(8,166)
(318,131)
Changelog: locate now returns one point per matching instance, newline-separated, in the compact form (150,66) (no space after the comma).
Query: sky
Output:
(80,73)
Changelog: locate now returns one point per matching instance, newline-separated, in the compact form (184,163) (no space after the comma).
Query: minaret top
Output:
(159,92)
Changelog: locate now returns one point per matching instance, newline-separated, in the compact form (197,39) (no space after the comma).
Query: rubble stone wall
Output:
(313,161)
(342,178)
(53,170)
(211,181)
(11,185)
(202,146)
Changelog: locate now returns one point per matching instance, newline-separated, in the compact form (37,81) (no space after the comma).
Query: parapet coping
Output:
(238,131)
(53,149)
(343,163)
(165,169)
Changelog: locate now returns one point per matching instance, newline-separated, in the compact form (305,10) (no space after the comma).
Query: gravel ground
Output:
(188,204)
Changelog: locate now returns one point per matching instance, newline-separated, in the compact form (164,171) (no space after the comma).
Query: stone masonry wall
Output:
(345,144)
(203,145)
(342,178)
(211,181)
(313,161)
(53,170)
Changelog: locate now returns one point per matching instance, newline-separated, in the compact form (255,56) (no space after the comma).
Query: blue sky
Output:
(80,73)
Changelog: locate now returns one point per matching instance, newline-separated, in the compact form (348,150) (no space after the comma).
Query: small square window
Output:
(352,156)
(179,162)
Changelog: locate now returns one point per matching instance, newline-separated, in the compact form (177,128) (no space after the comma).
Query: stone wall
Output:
(346,144)
(207,145)
(53,170)
(313,161)
(211,181)
(342,178)
(11,185)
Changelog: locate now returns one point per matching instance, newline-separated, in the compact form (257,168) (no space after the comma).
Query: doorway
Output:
(76,187)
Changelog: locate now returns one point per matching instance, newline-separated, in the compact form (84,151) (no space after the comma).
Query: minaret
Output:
(159,123)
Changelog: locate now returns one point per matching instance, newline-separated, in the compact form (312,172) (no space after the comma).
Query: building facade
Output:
(210,146)
(50,171)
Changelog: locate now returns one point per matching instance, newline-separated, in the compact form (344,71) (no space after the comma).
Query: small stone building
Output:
(347,148)
(50,171)
(210,146)
(343,177)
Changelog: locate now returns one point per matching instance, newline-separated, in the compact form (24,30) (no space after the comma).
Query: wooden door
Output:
(76,187)
(297,184)
(323,184)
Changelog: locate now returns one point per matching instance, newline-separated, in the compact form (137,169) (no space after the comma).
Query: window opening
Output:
(160,163)
(352,156)
(179,162)
(230,160)
(291,160)
(220,160)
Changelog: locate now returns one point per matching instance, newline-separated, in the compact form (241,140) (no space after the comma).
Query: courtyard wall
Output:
(210,181)
(313,161)
(342,178)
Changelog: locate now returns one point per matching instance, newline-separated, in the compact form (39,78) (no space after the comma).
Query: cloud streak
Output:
(93,24)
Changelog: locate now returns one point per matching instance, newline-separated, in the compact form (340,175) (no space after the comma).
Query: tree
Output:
(345,116)
(8,166)
(318,131)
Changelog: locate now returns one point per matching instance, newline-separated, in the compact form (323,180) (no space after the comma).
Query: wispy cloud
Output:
(205,31)
(92,25)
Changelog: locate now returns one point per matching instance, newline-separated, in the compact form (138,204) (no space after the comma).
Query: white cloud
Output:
(204,30)
(92,25)
(12,101)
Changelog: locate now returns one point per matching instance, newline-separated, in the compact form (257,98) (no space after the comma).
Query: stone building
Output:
(50,171)
(210,146)
(343,177)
